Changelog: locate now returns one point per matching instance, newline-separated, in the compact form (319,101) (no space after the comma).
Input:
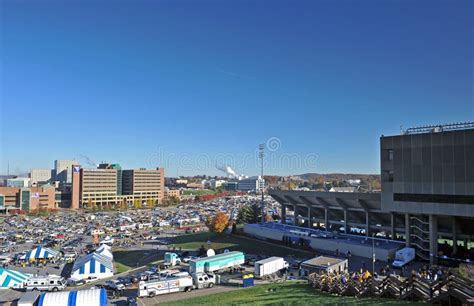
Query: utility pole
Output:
(261,154)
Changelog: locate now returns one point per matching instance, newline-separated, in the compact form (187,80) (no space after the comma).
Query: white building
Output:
(40,175)
(19,182)
(254,183)
(63,170)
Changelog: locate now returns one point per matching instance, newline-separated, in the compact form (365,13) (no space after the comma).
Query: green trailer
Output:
(216,262)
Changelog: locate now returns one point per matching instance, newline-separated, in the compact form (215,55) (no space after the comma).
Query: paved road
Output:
(170,297)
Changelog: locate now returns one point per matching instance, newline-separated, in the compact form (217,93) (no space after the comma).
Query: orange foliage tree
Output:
(219,223)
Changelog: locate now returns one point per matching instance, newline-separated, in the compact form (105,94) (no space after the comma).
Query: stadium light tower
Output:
(261,154)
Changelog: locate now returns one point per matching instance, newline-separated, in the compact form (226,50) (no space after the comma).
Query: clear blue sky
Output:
(191,84)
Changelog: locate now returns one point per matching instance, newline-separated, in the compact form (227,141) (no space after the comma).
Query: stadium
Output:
(426,202)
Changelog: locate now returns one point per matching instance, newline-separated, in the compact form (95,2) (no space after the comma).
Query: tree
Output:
(218,223)
(250,213)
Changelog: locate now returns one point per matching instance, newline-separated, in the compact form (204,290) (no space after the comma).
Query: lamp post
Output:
(373,254)
(261,154)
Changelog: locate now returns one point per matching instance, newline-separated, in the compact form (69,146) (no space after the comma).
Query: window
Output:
(51,282)
(390,155)
(387,176)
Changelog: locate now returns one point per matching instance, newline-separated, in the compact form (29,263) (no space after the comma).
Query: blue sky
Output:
(191,84)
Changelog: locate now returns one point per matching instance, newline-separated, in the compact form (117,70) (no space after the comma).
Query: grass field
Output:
(238,243)
(288,293)
(126,260)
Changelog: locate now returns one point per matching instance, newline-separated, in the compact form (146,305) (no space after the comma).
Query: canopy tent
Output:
(93,264)
(87,297)
(41,253)
(12,279)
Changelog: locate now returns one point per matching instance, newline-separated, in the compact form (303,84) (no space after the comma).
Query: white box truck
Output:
(403,256)
(176,284)
(269,266)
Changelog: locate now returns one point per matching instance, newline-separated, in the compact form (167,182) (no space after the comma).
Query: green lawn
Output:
(288,293)
(126,260)
(237,243)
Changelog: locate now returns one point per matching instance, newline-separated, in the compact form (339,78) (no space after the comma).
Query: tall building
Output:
(144,183)
(101,188)
(119,174)
(40,176)
(427,174)
(63,170)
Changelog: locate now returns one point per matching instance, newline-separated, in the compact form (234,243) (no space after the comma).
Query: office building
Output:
(254,183)
(63,170)
(427,176)
(144,183)
(27,198)
(101,188)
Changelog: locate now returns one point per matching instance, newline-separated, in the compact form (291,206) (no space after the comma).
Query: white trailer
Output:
(403,256)
(269,266)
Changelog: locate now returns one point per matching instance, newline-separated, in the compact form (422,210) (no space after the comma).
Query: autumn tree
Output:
(218,223)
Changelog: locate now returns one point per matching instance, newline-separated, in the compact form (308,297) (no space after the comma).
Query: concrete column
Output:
(433,239)
(295,220)
(283,214)
(345,221)
(455,236)
(407,230)
(392,225)
(326,219)
(309,217)
(367,224)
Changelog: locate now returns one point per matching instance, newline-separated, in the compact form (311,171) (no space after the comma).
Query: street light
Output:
(261,154)
(373,254)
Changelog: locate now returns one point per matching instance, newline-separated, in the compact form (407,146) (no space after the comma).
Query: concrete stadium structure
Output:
(427,176)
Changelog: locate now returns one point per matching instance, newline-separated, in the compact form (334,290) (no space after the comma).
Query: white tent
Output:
(105,250)
(87,297)
(12,279)
(41,253)
(93,264)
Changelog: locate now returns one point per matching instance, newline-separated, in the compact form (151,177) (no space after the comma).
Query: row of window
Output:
(433,198)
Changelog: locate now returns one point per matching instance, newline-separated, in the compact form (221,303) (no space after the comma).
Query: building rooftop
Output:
(323,261)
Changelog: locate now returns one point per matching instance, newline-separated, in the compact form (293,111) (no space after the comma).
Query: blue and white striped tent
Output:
(93,264)
(41,253)
(12,279)
(87,297)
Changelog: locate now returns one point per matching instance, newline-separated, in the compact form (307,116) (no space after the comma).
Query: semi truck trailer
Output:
(216,262)
(269,266)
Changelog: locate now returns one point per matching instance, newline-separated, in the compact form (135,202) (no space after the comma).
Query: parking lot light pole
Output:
(261,154)
(373,254)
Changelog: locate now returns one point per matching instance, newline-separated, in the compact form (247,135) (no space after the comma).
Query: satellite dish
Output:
(210,253)
(226,251)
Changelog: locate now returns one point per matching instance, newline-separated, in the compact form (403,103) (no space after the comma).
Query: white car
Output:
(189,258)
